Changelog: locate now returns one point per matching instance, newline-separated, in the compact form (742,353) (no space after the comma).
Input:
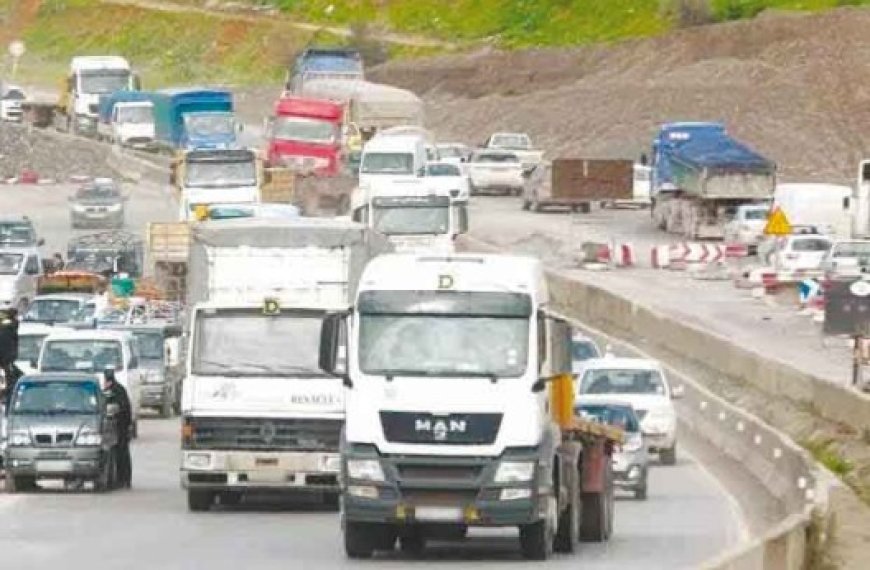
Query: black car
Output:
(97,205)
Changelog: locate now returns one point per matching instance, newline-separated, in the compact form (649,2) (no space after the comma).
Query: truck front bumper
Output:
(250,470)
(444,491)
(78,462)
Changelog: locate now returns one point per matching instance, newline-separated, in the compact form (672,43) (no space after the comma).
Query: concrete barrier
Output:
(784,469)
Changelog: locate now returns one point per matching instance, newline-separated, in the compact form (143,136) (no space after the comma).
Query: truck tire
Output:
(568,531)
(526,205)
(536,540)
(19,484)
(413,543)
(669,456)
(359,539)
(166,409)
(640,492)
(199,501)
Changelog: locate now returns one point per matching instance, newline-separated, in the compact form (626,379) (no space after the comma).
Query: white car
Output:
(747,226)
(454,153)
(518,143)
(493,170)
(583,349)
(799,253)
(93,351)
(30,339)
(20,270)
(10,103)
(448,177)
(643,384)
(56,308)
(846,258)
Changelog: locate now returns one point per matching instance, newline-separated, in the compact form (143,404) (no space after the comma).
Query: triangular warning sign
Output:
(777,223)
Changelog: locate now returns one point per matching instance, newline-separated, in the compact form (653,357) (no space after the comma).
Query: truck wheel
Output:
(134,429)
(568,531)
(526,205)
(536,540)
(669,456)
(166,409)
(19,484)
(640,493)
(359,539)
(198,500)
(230,498)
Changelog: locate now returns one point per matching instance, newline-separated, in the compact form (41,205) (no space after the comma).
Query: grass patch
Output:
(822,451)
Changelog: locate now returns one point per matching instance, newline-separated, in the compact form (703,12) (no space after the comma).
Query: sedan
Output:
(448,177)
(799,253)
(97,205)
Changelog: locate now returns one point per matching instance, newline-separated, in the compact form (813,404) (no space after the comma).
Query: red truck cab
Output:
(305,134)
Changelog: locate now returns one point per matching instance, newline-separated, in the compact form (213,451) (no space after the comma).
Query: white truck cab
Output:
(132,124)
(416,215)
(88,78)
(399,157)
(447,418)
(93,351)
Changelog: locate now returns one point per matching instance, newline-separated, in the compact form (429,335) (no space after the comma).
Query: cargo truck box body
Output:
(194,118)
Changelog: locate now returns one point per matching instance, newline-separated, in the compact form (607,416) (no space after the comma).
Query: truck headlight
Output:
(633,444)
(365,469)
(89,438)
(114,208)
(515,472)
(154,377)
(19,438)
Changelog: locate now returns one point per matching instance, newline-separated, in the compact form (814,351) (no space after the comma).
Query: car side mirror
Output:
(678,392)
(330,343)
(542,382)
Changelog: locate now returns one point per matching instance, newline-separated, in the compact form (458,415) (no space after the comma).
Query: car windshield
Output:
(85,355)
(442,170)
(221,174)
(622,381)
(620,416)
(514,142)
(140,115)
(209,125)
(14,95)
(490,157)
(413,220)
(10,263)
(584,350)
(444,334)
(150,344)
(29,346)
(16,233)
(247,343)
(387,163)
(305,130)
(811,245)
(61,397)
(98,193)
(104,81)
(52,310)
(852,249)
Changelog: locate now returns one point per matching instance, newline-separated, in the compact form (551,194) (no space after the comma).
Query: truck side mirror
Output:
(330,343)
(462,212)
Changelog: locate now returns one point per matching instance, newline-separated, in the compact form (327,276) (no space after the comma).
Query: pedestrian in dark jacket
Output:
(117,394)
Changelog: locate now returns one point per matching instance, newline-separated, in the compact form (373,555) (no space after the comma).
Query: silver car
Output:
(631,459)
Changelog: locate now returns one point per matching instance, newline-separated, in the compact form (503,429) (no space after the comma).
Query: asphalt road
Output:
(687,518)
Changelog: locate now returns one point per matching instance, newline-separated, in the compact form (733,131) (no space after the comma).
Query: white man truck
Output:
(90,77)
(416,216)
(458,409)
(258,412)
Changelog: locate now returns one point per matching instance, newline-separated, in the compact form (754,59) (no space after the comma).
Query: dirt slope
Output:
(795,86)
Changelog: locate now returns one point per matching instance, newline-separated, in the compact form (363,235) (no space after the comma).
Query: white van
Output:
(826,206)
(92,351)
(401,157)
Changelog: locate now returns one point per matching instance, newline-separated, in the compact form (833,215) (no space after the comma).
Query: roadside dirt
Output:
(795,86)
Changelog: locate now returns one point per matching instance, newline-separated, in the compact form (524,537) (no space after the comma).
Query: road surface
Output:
(688,517)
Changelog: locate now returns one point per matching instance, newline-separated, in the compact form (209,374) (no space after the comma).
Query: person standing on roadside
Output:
(117,394)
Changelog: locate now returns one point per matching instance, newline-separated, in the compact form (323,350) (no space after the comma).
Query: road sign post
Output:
(16,50)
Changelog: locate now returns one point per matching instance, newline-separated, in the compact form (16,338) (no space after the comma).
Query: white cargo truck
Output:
(416,215)
(448,421)
(258,413)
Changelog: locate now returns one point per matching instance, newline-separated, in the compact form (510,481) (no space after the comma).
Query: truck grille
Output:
(265,434)
(451,429)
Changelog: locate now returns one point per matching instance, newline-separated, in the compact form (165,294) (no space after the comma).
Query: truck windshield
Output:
(29,346)
(142,115)
(221,174)
(16,234)
(431,333)
(84,355)
(305,130)
(210,125)
(104,81)
(150,344)
(412,220)
(61,397)
(242,343)
(10,263)
(387,163)
(52,310)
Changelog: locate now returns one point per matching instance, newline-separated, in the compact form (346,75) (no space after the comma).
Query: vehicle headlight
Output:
(632,445)
(515,472)
(154,377)
(19,438)
(88,437)
(658,421)
(114,208)
(365,469)
(79,208)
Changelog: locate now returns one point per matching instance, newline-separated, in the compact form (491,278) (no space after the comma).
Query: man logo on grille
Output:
(440,429)
(268,432)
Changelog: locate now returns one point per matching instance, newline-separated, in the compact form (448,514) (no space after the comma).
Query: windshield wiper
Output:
(389,375)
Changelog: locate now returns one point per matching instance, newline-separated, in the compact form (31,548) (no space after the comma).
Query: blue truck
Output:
(700,175)
(324,63)
(194,118)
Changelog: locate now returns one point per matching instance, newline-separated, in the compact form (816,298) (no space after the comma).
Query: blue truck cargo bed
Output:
(171,106)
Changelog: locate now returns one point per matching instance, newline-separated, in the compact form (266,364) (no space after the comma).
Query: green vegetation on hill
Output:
(522,23)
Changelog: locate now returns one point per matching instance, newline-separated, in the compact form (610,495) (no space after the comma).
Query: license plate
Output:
(54,466)
(438,514)
(266,462)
